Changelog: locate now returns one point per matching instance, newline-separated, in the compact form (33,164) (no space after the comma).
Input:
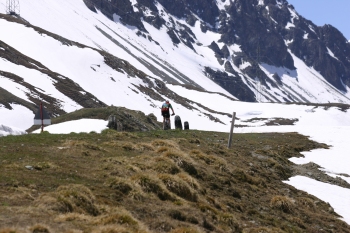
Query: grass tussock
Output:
(185,230)
(12,230)
(192,182)
(177,186)
(70,217)
(215,161)
(44,165)
(122,185)
(283,203)
(119,217)
(162,149)
(166,143)
(39,228)
(80,144)
(244,177)
(262,230)
(117,229)
(151,184)
(182,160)
(68,199)
(306,202)
(165,165)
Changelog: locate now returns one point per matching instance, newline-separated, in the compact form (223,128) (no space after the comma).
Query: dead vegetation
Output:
(157,181)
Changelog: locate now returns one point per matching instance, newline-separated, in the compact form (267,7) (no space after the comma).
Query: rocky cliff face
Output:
(267,31)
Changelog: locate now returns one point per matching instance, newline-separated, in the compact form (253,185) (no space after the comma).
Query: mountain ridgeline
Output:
(268,31)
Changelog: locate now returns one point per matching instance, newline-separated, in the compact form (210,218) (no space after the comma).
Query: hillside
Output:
(286,79)
(159,181)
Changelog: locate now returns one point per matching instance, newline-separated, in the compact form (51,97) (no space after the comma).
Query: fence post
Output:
(231,131)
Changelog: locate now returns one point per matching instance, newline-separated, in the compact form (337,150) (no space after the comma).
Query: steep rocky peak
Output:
(271,26)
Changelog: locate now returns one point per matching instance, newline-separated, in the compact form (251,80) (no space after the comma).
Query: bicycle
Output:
(167,124)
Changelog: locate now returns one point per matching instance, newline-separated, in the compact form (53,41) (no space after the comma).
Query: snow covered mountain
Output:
(71,54)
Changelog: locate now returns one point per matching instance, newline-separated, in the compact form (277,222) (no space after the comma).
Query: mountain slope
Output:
(75,54)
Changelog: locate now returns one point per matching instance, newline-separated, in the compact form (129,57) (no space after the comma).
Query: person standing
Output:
(166,112)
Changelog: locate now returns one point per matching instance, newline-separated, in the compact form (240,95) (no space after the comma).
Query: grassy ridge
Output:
(156,181)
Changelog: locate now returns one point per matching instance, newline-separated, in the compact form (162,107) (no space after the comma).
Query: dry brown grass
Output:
(160,184)
(12,230)
(70,217)
(283,203)
(182,160)
(167,143)
(116,229)
(262,230)
(192,182)
(151,184)
(164,165)
(117,218)
(122,185)
(162,149)
(186,230)
(306,202)
(69,198)
(242,176)
(177,186)
(73,231)
(39,228)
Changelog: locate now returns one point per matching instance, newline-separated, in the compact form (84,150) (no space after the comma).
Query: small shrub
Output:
(283,203)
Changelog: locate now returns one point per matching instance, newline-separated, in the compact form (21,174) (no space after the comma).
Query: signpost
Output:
(42,117)
(231,131)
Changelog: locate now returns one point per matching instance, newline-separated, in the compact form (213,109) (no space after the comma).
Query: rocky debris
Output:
(29,167)
(313,171)
(232,84)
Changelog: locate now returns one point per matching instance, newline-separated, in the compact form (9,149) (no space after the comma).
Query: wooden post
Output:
(42,116)
(231,131)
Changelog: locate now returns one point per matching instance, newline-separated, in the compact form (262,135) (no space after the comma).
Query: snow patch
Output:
(332,54)
(289,25)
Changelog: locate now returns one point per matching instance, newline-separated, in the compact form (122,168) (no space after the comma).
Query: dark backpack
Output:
(178,123)
(186,126)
